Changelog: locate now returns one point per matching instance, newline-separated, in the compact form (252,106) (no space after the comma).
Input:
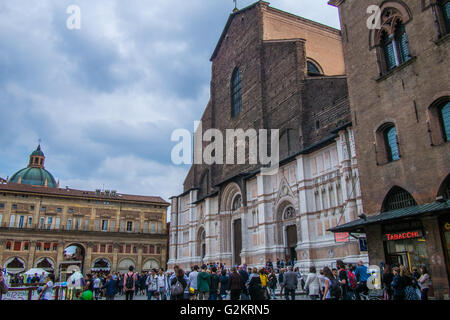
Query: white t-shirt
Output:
(48,293)
(96,283)
(161,281)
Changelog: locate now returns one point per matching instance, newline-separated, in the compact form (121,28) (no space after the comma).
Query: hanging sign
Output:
(403,235)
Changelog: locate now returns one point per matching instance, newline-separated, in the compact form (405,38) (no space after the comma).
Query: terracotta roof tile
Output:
(79,193)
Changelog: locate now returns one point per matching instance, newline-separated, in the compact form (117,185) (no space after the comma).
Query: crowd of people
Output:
(214,281)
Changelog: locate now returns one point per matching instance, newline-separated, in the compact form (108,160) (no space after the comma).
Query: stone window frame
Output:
(391,14)
(435,122)
(383,154)
(316,65)
(236,92)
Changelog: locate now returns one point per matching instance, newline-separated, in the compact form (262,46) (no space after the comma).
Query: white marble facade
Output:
(313,192)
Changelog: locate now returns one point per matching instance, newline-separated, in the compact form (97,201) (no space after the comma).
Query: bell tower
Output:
(37,158)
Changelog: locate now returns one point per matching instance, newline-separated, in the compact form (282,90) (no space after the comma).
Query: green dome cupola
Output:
(35,174)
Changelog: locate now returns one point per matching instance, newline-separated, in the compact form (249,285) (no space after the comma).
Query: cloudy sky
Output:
(105,99)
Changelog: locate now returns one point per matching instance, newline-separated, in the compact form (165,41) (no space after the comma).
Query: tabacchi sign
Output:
(403,235)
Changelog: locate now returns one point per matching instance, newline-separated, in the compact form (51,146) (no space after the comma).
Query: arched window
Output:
(444,114)
(398,198)
(313,69)
(236,93)
(392,40)
(390,137)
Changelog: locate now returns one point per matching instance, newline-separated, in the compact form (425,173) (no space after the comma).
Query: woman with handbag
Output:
(424,283)
(312,285)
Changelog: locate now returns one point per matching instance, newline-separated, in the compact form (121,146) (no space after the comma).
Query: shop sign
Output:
(403,235)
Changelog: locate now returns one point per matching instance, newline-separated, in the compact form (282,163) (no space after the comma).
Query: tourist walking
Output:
(223,285)
(162,284)
(387,279)
(152,285)
(178,285)
(273,283)
(203,284)
(235,285)
(129,283)
(47,290)
(312,284)
(193,277)
(254,286)
(214,288)
(290,283)
(110,288)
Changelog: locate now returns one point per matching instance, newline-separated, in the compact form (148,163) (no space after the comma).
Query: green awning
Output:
(358,225)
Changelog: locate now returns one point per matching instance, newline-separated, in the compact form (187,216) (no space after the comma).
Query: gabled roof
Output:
(73,193)
(227,25)
(234,14)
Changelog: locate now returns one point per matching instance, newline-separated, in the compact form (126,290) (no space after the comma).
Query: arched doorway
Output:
(102,266)
(45,263)
(124,265)
(150,265)
(287,231)
(73,259)
(14,265)
(291,243)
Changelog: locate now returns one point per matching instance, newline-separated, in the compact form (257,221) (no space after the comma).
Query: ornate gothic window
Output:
(236,93)
(392,40)
(398,198)
(237,202)
(289,213)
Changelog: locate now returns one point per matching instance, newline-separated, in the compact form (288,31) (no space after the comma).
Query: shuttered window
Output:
(392,145)
(402,43)
(389,52)
(236,93)
(136,226)
(445,117)
(97,225)
(113,225)
(122,226)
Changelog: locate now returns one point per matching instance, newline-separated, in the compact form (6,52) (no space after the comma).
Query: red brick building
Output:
(399,88)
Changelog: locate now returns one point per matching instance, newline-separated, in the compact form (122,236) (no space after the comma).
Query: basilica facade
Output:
(274,70)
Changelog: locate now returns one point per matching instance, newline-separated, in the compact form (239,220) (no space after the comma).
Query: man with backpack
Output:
(129,282)
(343,279)
(203,284)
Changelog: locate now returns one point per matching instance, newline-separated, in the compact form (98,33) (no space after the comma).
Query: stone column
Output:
(139,258)
(115,257)
(88,258)
(2,249)
(31,254)
(59,258)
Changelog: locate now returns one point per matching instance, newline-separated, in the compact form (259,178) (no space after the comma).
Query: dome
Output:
(34,176)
